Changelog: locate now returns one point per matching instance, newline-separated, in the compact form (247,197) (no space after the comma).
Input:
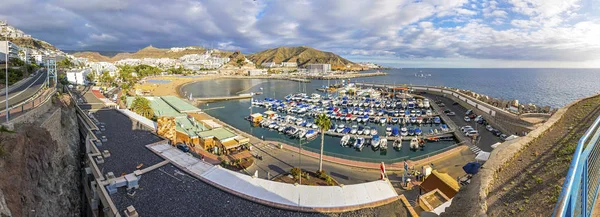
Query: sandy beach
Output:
(171,88)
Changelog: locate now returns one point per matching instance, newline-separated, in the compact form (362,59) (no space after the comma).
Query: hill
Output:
(92,56)
(302,56)
(33,43)
(147,52)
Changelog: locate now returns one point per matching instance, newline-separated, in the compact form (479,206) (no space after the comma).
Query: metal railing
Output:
(580,189)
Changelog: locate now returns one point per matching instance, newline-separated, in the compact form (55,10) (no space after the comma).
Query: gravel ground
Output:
(126,143)
(530,185)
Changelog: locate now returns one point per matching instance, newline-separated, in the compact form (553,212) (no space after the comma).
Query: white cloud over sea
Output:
(402,33)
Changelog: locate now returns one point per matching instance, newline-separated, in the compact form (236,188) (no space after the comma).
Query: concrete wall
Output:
(472,198)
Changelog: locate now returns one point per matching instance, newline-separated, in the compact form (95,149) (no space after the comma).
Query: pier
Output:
(221,98)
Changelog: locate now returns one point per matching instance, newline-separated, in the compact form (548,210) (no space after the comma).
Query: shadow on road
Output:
(277,169)
(340,176)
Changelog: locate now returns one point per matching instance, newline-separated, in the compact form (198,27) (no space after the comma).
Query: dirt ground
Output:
(530,185)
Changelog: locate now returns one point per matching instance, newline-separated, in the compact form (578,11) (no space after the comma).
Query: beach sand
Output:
(171,88)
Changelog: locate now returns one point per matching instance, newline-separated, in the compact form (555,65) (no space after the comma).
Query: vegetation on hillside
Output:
(32,43)
(302,56)
(147,52)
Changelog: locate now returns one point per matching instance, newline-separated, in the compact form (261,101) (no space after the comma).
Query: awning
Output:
(495,145)
(482,156)
(229,144)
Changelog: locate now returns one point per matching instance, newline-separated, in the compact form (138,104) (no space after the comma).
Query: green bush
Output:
(329,181)
(295,171)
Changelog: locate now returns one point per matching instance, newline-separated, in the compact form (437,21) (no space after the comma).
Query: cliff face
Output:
(40,165)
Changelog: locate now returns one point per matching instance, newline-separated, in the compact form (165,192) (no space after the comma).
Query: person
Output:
(432,166)
(202,157)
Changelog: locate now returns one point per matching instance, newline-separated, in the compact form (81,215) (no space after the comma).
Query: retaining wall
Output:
(472,198)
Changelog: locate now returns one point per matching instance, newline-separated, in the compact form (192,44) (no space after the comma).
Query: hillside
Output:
(147,52)
(302,55)
(32,43)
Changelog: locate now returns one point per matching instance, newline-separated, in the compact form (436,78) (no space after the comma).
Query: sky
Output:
(396,33)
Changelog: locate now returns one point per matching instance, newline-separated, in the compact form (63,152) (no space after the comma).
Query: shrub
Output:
(329,181)
(295,171)
(322,174)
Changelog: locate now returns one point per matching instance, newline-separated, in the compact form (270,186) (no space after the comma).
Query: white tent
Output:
(482,156)
(511,137)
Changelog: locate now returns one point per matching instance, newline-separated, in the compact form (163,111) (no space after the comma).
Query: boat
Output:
(367,130)
(413,120)
(311,134)
(301,133)
(354,129)
(426,103)
(418,131)
(388,131)
(445,128)
(382,120)
(395,131)
(411,131)
(374,131)
(281,128)
(394,120)
(345,140)
(414,143)
(292,131)
(359,142)
(383,144)
(403,131)
(346,130)
(398,143)
(419,120)
(375,141)
(437,120)
(340,128)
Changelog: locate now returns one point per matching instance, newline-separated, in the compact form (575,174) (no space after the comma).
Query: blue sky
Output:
(399,33)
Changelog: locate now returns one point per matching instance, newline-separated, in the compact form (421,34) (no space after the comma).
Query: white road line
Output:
(22,90)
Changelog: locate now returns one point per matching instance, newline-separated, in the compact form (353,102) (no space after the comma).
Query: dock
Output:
(222,98)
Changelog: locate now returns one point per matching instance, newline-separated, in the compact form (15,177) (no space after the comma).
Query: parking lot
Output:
(486,138)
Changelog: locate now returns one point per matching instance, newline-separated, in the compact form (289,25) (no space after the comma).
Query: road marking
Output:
(22,90)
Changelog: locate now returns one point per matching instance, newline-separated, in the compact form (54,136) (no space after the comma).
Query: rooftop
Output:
(179,104)
(219,133)
(189,126)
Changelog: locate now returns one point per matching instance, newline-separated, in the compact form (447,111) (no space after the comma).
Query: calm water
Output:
(554,87)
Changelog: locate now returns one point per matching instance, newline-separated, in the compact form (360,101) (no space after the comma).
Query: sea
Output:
(552,87)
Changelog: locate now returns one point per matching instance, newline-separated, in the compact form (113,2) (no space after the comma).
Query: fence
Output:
(580,189)
(27,105)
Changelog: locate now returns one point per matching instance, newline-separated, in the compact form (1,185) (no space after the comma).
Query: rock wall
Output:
(471,199)
(40,169)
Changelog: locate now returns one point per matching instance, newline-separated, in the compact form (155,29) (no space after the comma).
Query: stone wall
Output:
(472,198)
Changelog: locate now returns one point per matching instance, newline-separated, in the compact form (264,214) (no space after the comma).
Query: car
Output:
(451,114)
(489,128)
(466,126)
(467,119)
(472,116)
(103,139)
(447,111)
(472,133)
(102,128)
(455,103)
(466,129)
(496,132)
(183,147)
(442,105)
(469,112)
(477,118)
(503,137)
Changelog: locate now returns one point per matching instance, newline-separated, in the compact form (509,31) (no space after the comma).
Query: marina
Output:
(295,119)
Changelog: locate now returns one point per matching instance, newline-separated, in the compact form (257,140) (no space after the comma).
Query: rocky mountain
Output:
(302,56)
(147,52)
(92,56)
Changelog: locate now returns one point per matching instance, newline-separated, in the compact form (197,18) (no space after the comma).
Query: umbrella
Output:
(472,168)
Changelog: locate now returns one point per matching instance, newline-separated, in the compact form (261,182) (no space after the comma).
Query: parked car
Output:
(442,105)
(447,111)
(183,147)
(472,133)
(489,128)
(472,116)
(496,132)
(451,114)
(503,137)
(455,103)
(469,112)
(467,119)
(477,118)
(466,129)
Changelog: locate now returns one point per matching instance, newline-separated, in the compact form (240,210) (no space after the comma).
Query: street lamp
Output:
(6,78)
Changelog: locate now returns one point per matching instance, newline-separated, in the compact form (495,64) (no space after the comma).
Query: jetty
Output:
(221,98)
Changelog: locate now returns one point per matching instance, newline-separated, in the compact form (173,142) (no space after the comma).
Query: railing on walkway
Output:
(580,190)
(27,105)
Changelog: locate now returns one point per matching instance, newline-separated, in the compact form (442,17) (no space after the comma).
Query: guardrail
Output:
(580,189)
(35,101)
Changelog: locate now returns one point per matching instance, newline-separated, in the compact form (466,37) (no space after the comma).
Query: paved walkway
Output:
(281,195)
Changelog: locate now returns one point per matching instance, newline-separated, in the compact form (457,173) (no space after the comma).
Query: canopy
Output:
(472,168)
(495,145)
(482,156)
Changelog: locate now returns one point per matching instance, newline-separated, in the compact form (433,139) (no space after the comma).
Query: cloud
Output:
(528,30)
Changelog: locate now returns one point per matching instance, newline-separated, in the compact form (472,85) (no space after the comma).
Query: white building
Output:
(268,64)
(253,72)
(318,68)
(78,77)
(12,50)
(289,64)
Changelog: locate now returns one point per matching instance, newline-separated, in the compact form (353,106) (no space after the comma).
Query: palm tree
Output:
(324,123)
(142,107)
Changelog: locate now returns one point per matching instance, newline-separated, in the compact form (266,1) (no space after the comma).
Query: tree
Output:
(91,77)
(65,63)
(106,78)
(142,107)
(324,123)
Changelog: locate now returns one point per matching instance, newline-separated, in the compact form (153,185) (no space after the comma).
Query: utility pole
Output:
(6,78)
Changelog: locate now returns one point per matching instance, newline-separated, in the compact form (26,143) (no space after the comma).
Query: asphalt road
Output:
(24,91)
(486,138)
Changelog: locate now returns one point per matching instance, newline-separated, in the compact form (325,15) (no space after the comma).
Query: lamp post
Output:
(6,78)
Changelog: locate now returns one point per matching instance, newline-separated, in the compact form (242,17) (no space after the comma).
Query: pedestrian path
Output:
(281,195)
(475,149)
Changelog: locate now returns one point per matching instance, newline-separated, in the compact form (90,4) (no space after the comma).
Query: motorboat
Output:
(398,143)
(419,120)
(418,131)
(340,128)
(367,130)
(403,131)
(445,128)
(411,131)
(437,120)
(414,143)
(301,133)
(311,134)
(388,131)
(374,131)
(395,131)
(426,103)
(413,120)
(382,120)
(383,144)
(346,130)
(354,129)
(375,141)
(394,120)
(359,142)
(345,140)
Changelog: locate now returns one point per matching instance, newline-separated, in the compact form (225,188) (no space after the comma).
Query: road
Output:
(486,140)
(24,91)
